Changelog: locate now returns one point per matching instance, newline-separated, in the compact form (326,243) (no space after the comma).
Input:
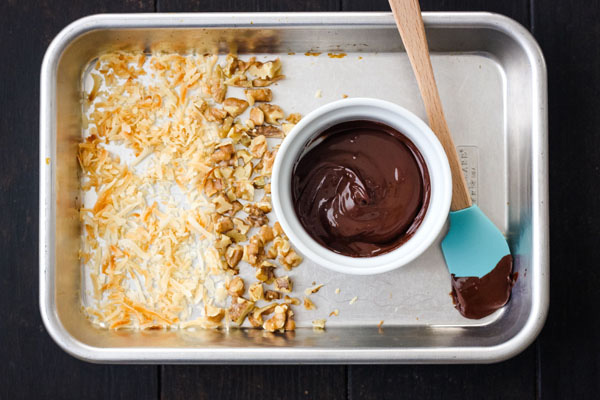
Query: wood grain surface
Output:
(563,364)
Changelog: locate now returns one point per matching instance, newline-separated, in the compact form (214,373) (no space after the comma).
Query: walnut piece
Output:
(266,272)
(272,295)
(252,252)
(277,229)
(283,284)
(259,94)
(256,291)
(233,255)
(258,146)
(257,116)
(265,234)
(268,161)
(236,236)
(273,113)
(235,106)
(318,324)
(267,131)
(213,314)
(278,320)
(266,82)
(223,224)
(241,226)
(236,287)
(290,260)
(256,317)
(265,70)
(239,308)
(294,118)
(223,153)
(222,204)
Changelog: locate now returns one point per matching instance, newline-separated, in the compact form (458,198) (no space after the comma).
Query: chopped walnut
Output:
(283,284)
(236,287)
(266,70)
(278,320)
(258,146)
(257,116)
(243,172)
(266,82)
(252,252)
(244,156)
(268,161)
(318,324)
(216,87)
(290,260)
(290,325)
(267,131)
(335,312)
(239,81)
(256,316)
(239,308)
(245,190)
(280,248)
(236,206)
(233,255)
(241,226)
(294,118)
(256,217)
(223,153)
(212,187)
(272,295)
(265,234)
(236,236)
(277,229)
(222,204)
(256,291)
(273,113)
(222,242)
(235,106)
(213,114)
(308,304)
(268,188)
(266,272)
(231,64)
(213,314)
(259,94)
(223,224)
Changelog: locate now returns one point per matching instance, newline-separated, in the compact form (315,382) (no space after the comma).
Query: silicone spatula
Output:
(473,245)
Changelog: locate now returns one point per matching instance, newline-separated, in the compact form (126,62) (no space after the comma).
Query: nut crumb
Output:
(318,94)
(353,300)
(335,312)
(312,290)
(308,304)
(337,291)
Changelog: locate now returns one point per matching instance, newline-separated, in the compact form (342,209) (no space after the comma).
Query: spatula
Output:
(473,245)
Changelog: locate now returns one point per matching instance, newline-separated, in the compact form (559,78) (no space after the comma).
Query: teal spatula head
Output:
(473,245)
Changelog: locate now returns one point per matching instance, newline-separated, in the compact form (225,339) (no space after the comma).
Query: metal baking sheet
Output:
(492,82)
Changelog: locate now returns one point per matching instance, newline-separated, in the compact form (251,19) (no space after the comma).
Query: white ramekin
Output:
(366,109)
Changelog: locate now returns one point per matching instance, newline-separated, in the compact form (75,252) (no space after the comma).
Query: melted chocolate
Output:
(361,191)
(476,298)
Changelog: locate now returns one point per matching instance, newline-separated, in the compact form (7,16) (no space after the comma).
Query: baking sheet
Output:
(491,77)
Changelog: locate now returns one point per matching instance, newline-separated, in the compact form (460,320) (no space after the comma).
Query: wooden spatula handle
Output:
(407,14)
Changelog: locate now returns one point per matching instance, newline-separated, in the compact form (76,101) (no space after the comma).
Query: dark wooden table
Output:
(564,363)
